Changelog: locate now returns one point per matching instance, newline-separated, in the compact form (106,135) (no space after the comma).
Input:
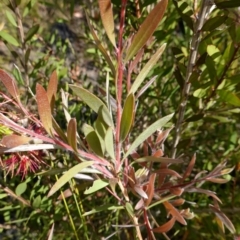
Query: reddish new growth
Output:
(22,164)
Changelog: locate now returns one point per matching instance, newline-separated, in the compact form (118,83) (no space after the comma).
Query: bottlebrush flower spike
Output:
(22,164)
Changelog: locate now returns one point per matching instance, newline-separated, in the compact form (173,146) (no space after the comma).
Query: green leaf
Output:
(147,29)
(227,4)
(21,188)
(157,159)
(97,185)
(108,207)
(44,109)
(9,38)
(109,143)
(213,23)
(127,117)
(33,30)
(129,209)
(11,18)
(200,93)
(37,202)
(105,8)
(68,175)
(229,97)
(147,133)
(93,102)
(92,139)
(72,133)
(18,75)
(146,69)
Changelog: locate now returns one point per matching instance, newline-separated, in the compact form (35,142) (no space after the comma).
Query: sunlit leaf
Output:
(68,175)
(229,97)
(93,102)
(109,143)
(165,227)
(14,140)
(150,189)
(158,159)
(147,133)
(105,8)
(44,109)
(97,185)
(9,38)
(10,84)
(52,86)
(146,69)
(21,188)
(147,29)
(127,117)
(190,167)
(100,47)
(11,18)
(174,212)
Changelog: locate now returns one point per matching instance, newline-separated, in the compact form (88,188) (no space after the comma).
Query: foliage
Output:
(133,152)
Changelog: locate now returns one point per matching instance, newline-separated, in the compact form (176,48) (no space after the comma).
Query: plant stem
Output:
(21,35)
(191,63)
(119,84)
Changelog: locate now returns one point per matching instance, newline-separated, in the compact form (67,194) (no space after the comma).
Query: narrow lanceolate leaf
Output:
(109,143)
(223,219)
(165,227)
(9,84)
(44,109)
(14,140)
(9,38)
(146,69)
(68,175)
(52,86)
(174,212)
(92,139)
(105,7)
(150,189)
(158,159)
(146,29)
(72,133)
(97,185)
(147,133)
(100,47)
(93,102)
(31,32)
(127,117)
(189,168)
(229,97)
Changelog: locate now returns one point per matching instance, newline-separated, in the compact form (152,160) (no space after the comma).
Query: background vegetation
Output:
(39,37)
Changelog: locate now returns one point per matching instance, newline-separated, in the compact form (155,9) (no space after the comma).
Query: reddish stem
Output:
(119,84)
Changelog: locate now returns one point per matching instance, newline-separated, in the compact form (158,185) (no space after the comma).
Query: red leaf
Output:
(14,140)
(52,88)
(10,84)
(174,212)
(44,109)
(150,189)
(147,29)
(165,227)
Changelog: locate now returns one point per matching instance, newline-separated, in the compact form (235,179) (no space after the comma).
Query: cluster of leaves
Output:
(133,167)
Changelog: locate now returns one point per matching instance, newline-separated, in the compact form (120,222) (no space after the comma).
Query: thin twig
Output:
(23,45)
(206,5)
